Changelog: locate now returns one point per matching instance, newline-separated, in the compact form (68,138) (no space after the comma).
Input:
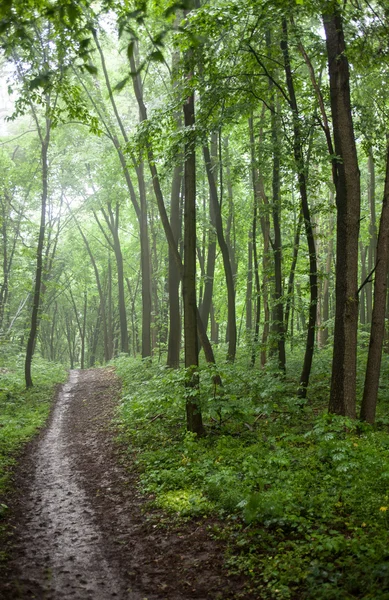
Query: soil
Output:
(81,530)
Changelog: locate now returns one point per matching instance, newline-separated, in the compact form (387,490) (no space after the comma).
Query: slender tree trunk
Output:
(68,329)
(39,255)
(121,296)
(302,180)
(193,410)
(205,308)
(296,246)
(370,392)
(249,286)
(107,356)
(134,319)
(145,265)
(278,325)
(343,383)
(257,284)
(362,297)
(326,282)
(110,309)
(83,331)
(226,258)
(230,225)
(371,261)
(174,343)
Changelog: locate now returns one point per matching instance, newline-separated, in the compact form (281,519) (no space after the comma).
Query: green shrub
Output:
(303,496)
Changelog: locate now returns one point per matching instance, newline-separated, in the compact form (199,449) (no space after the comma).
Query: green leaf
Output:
(158,40)
(73,13)
(85,43)
(91,69)
(156,56)
(40,81)
(119,86)
(173,9)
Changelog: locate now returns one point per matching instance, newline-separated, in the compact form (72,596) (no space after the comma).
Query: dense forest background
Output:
(206,185)
(238,150)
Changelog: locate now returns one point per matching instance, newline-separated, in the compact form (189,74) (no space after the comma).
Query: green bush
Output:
(303,496)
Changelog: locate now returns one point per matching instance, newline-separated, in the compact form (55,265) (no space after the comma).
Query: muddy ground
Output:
(79,528)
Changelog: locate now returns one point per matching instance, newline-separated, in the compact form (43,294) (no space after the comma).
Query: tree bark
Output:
(302,181)
(362,297)
(174,342)
(371,255)
(107,356)
(343,382)
(231,353)
(193,411)
(45,140)
(278,326)
(372,377)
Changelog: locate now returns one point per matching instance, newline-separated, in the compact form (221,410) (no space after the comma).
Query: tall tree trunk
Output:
(45,140)
(256,279)
(371,256)
(326,282)
(145,264)
(370,392)
(110,308)
(302,180)
(343,382)
(230,225)
(226,258)
(278,325)
(362,299)
(174,342)
(296,246)
(205,308)
(83,330)
(107,356)
(134,320)
(193,411)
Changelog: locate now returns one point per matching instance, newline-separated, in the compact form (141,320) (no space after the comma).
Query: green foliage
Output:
(303,495)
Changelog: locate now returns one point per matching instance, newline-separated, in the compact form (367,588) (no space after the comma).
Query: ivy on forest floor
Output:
(302,496)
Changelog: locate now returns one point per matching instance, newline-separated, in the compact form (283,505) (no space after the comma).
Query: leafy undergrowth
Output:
(302,497)
(22,411)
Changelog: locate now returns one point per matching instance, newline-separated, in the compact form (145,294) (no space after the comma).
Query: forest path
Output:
(79,529)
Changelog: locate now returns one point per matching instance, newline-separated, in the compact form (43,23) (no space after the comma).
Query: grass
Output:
(302,497)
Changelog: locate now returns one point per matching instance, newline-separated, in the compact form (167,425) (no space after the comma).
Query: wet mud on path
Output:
(79,529)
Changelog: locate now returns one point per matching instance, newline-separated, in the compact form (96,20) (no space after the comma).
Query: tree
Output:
(343,383)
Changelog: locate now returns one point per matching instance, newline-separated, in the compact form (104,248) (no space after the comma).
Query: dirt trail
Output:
(79,529)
